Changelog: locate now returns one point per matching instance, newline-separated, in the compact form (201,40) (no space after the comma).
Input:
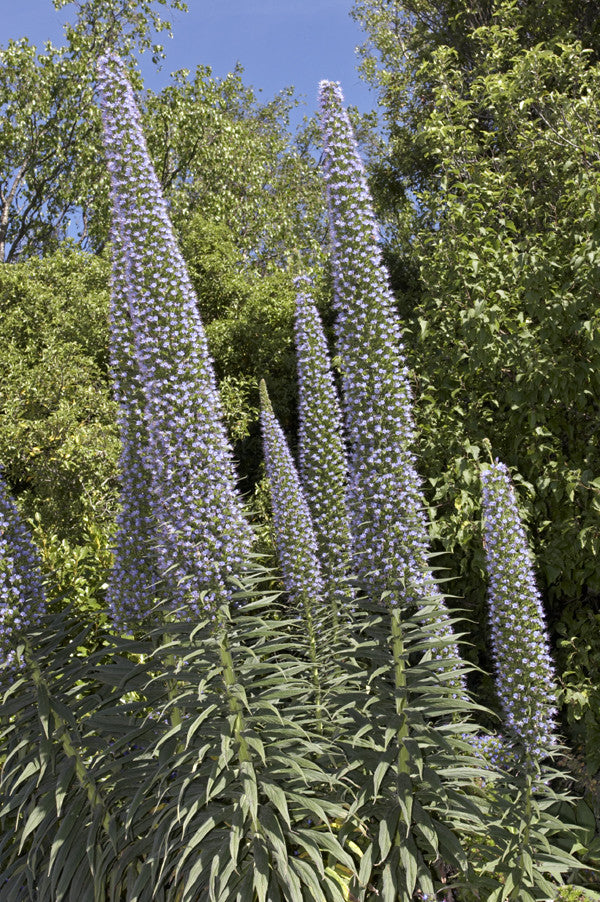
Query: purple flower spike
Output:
(322,456)
(22,596)
(294,533)
(201,536)
(134,580)
(389,525)
(525,677)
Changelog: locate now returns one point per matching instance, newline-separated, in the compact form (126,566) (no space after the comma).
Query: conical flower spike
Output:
(22,596)
(525,677)
(134,579)
(322,456)
(202,536)
(389,525)
(294,533)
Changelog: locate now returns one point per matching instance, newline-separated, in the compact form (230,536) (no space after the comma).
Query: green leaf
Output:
(388,827)
(261,868)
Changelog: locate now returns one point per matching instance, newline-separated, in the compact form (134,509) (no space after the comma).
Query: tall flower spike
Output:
(22,596)
(389,525)
(525,677)
(294,533)
(134,580)
(201,534)
(322,456)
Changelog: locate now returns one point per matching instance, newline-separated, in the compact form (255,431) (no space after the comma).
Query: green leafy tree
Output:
(51,172)
(58,440)
(491,227)
(58,437)
(218,151)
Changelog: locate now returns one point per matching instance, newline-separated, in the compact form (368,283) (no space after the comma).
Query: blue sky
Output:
(278,42)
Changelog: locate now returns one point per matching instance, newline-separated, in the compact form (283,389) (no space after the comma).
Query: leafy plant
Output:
(222,739)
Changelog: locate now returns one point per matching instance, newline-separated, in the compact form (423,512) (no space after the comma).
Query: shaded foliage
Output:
(488,190)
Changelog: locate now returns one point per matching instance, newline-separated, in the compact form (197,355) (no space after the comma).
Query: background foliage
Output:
(488,190)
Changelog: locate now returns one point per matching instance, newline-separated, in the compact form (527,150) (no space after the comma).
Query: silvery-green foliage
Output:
(180,766)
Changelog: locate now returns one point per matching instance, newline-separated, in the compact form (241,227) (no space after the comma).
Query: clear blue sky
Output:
(278,42)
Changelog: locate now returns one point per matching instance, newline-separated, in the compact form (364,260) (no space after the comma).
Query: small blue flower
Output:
(388,521)
(322,455)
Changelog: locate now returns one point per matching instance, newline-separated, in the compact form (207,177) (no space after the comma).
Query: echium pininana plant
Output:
(294,533)
(22,595)
(321,452)
(201,534)
(294,538)
(388,520)
(525,677)
(134,579)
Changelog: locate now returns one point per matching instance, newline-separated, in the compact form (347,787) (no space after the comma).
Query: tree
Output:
(58,443)
(403,37)
(492,232)
(50,171)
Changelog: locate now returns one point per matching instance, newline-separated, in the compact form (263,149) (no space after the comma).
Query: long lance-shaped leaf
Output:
(322,456)
(389,525)
(202,536)
(525,678)
(22,596)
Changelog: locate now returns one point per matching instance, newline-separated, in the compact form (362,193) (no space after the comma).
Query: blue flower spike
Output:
(201,537)
(525,677)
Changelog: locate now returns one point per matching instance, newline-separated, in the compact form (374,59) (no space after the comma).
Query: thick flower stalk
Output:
(201,536)
(22,596)
(322,455)
(525,678)
(294,534)
(389,525)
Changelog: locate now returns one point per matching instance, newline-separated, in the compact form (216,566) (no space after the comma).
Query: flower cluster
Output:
(294,533)
(389,525)
(494,750)
(134,579)
(524,671)
(322,456)
(173,432)
(22,596)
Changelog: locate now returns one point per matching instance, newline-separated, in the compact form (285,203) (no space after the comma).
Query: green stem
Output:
(235,706)
(236,709)
(175,712)
(316,678)
(526,834)
(84,777)
(400,687)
